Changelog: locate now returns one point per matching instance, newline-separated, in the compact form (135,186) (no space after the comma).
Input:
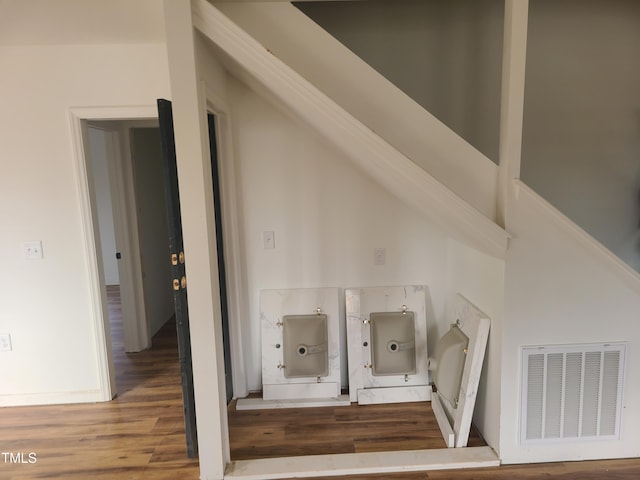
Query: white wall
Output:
(581,145)
(327,217)
(67,22)
(581,139)
(99,164)
(45,303)
(152,226)
(559,292)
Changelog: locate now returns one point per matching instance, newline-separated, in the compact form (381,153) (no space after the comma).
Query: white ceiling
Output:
(50,22)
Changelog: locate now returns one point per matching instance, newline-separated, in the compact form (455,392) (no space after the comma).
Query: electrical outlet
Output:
(379,256)
(5,342)
(32,250)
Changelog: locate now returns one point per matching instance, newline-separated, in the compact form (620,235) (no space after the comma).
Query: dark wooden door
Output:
(222,273)
(177,259)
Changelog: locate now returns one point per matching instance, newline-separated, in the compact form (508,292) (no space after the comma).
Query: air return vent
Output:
(571,392)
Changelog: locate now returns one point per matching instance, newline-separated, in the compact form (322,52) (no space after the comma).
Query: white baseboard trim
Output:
(53,398)
(410,393)
(260,404)
(362,463)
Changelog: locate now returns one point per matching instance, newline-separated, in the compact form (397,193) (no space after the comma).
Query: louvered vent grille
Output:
(571,392)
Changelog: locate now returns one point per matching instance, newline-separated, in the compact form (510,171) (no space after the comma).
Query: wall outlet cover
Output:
(5,342)
(32,250)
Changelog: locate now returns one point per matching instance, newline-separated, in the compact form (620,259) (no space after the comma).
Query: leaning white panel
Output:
(387,344)
(458,363)
(300,344)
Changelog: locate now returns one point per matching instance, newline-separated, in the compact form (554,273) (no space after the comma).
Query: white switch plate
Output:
(32,249)
(379,256)
(268,240)
(5,342)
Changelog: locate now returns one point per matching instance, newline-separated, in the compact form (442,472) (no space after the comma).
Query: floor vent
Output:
(571,392)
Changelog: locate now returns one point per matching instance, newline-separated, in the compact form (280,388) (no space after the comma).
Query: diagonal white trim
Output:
(371,98)
(597,250)
(380,160)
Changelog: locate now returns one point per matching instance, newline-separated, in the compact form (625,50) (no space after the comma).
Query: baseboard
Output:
(260,404)
(362,463)
(410,393)
(52,398)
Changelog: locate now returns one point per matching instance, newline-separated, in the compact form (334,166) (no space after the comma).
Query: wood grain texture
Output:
(325,430)
(140,435)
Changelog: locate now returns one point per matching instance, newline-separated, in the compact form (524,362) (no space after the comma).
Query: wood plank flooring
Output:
(326,430)
(140,434)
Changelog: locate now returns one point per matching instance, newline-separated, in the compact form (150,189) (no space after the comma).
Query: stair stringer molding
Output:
(254,64)
(367,95)
(598,252)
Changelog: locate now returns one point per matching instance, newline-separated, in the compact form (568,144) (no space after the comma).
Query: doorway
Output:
(126,179)
(128,198)
(117,123)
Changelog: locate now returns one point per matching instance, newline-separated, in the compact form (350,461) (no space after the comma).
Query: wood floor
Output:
(325,430)
(140,434)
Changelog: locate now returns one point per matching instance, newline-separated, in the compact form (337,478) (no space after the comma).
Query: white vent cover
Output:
(571,392)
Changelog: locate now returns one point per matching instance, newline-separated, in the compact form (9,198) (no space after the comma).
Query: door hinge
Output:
(178,284)
(175,258)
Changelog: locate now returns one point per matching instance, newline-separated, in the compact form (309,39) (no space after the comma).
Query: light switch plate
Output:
(5,342)
(379,256)
(268,240)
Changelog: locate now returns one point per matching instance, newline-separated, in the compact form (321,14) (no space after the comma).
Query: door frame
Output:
(231,238)
(125,223)
(137,335)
